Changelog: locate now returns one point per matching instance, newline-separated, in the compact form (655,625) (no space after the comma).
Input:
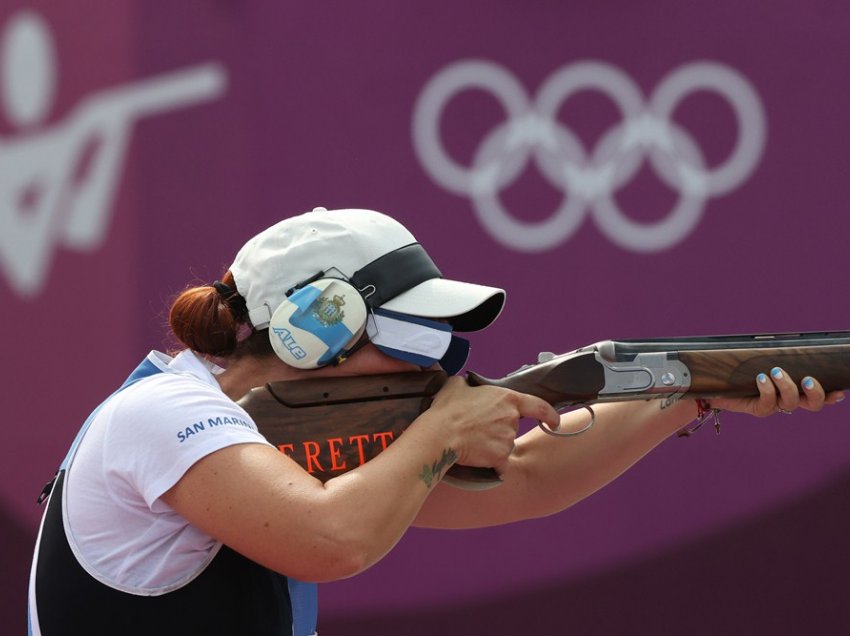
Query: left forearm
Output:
(547,474)
(555,473)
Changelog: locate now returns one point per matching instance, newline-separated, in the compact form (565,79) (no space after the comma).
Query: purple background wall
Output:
(108,209)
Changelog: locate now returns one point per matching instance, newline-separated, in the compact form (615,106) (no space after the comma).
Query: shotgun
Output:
(332,425)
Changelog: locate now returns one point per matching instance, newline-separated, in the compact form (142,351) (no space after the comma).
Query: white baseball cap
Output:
(372,251)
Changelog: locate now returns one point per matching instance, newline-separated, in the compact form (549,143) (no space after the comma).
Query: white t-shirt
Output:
(139,444)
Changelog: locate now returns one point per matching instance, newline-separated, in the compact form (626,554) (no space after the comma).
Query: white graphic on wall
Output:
(589,180)
(57,182)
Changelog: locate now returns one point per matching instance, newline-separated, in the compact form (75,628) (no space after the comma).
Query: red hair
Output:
(201,319)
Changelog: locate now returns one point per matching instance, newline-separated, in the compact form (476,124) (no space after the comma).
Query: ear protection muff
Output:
(323,320)
(318,324)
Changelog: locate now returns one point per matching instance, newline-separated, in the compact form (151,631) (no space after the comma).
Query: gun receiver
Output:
(332,425)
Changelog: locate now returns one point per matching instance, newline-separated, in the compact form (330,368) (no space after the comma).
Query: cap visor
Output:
(468,307)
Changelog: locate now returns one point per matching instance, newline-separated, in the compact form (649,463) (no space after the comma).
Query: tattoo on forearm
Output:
(432,473)
(667,402)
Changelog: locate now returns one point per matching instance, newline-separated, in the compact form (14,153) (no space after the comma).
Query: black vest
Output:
(232,596)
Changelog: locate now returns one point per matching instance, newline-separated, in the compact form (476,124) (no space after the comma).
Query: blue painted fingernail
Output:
(808,384)
(840,398)
(762,378)
(776,372)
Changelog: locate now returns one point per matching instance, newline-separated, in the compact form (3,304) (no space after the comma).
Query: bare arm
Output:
(262,504)
(547,475)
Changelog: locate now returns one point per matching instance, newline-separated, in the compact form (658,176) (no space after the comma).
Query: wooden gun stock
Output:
(332,425)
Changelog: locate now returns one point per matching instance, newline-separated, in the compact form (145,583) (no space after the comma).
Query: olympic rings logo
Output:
(589,180)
